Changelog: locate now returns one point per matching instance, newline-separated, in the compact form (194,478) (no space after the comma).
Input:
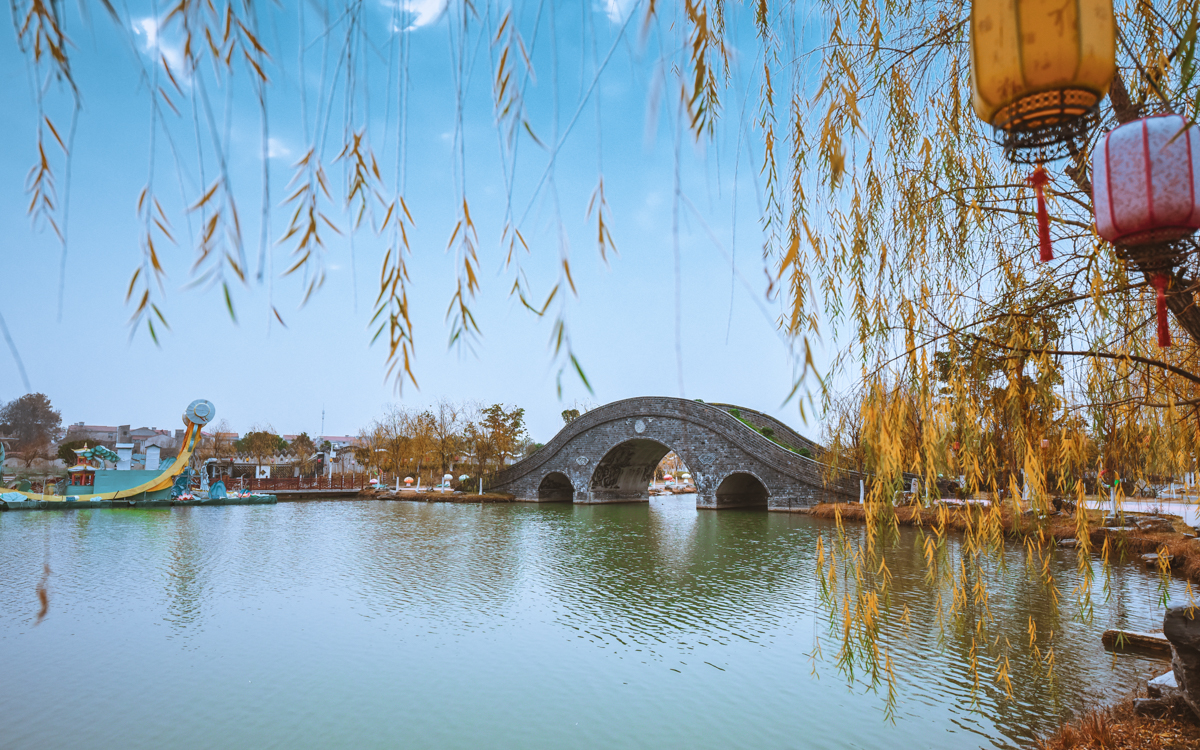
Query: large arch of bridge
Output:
(625,471)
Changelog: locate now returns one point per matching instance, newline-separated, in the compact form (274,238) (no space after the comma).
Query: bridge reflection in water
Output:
(609,454)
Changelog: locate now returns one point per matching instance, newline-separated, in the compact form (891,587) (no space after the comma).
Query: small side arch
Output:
(741,489)
(556,487)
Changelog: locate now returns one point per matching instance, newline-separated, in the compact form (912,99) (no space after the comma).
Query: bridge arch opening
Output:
(625,472)
(670,469)
(556,487)
(741,490)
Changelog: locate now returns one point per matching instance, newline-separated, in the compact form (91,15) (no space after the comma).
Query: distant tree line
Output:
(450,437)
(454,438)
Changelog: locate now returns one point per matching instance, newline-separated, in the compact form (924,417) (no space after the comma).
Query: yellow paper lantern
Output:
(1038,69)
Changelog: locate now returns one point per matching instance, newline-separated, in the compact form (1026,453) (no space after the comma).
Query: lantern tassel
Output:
(1038,180)
(1159,280)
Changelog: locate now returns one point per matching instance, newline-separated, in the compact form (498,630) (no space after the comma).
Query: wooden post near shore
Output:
(1134,640)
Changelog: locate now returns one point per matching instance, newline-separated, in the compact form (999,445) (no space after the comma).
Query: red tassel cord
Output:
(1159,280)
(1038,181)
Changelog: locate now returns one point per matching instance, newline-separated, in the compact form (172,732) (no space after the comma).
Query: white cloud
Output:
(413,14)
(147,29)
(276,149)
(618,10)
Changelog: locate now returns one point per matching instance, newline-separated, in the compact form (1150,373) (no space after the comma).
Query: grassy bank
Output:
(1121,728)
(1126,546)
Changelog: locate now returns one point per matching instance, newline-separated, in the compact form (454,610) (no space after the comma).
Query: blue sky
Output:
(622,325)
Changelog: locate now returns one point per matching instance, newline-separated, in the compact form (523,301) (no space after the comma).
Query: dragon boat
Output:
(89,479)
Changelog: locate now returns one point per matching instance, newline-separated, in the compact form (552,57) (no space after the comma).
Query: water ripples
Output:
(383,623)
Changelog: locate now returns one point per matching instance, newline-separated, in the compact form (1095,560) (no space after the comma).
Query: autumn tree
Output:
(505,429)
(261,441)
(31,421)
(446,422)
(303,449)
(404,438)
(369,447)
(302,445)
(842,433)
(476,441)
(213,443)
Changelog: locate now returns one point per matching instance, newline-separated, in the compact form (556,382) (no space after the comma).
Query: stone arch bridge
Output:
(609,454)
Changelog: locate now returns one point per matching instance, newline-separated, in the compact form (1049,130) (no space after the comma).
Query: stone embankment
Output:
(1181,626)
(685,490)
(426,496)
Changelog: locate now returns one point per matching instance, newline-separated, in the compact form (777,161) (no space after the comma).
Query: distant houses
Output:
(152,448)
(99,433)
(287,464)
(123,434)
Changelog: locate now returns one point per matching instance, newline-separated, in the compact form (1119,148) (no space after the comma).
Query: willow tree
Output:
(912,180)
(922,239)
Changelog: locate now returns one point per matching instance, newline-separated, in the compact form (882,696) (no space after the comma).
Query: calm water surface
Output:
(396,624)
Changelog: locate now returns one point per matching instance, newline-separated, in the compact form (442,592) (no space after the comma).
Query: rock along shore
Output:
(425,496)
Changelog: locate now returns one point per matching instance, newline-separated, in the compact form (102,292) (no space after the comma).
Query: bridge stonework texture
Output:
(609,454)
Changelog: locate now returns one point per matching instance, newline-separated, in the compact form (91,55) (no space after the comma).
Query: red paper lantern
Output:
(1146,195)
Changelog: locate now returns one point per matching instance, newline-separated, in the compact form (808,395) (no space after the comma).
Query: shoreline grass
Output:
(1121,727)
(1128,546)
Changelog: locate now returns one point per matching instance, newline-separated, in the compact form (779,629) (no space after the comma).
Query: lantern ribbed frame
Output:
(1056,131)
(1150,257)
(1039,71)
(1146,190)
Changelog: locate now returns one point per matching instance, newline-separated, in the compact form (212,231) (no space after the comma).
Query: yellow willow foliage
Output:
(1028,383)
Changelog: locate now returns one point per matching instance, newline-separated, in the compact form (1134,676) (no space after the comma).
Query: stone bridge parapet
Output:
(609,455)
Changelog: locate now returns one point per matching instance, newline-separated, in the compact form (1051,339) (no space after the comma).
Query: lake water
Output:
(398,624)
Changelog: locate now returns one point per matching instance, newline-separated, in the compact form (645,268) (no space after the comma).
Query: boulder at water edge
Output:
(1154,524)
(1181,626)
